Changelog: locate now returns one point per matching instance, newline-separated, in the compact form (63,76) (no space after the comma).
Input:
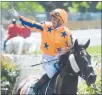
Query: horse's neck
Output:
(67,69)
(65,81)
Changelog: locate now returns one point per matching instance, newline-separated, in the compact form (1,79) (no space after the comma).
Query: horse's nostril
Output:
(92,78)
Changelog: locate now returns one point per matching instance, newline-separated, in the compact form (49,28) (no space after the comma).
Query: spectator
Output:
(25,32)
(13,31)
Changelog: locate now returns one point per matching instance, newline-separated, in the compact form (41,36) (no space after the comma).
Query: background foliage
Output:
(47,6)
(9,74)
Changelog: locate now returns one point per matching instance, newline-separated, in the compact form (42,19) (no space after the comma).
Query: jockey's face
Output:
(56,22)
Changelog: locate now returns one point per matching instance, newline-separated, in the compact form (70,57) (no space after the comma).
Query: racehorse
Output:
(19,45)
(30,46)
(15,45)
(75,62)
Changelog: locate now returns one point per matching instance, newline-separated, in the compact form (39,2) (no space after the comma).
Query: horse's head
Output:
(80,62)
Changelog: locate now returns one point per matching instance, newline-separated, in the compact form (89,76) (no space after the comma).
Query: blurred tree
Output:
(99,6)
(42,6)
(84,6)
(5,5)
(92,7)
(74,7)
(28,6)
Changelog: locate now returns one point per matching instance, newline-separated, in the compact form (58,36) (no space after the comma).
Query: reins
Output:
(48,87)
(74,74)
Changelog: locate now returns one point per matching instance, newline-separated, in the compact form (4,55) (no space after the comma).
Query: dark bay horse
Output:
(74,63)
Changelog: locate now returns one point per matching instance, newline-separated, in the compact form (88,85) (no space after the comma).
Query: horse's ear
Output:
(87,44)
(76,43)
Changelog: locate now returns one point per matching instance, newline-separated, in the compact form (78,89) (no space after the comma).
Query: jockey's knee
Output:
(51,73)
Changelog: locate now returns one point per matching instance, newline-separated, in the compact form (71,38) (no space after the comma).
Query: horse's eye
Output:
(81,54)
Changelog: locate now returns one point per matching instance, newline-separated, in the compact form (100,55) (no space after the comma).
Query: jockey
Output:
(13,31)
(55,39)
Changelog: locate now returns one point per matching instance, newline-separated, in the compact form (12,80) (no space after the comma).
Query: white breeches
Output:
(49,66)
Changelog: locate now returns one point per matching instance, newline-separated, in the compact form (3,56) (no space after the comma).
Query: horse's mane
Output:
(64,57)
(67,52)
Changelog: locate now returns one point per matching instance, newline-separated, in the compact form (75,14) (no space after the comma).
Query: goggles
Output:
(56,14)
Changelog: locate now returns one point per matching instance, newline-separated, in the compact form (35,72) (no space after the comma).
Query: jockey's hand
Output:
(13,12)
(63,51)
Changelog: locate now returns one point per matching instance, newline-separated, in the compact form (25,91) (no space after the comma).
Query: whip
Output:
(43,62)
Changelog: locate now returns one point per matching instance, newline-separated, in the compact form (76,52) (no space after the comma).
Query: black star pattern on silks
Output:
(59,49)
(50,29)
(64,34)
(46,45)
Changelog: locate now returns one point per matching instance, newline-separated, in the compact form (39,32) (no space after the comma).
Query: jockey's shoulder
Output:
(12,25)
(67,29)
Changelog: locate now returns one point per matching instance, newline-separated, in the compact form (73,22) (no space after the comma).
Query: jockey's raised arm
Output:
(32,25)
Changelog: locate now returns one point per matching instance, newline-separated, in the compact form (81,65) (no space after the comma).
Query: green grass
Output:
(94,49)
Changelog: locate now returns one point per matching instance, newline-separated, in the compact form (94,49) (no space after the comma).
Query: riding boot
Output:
(44,79)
